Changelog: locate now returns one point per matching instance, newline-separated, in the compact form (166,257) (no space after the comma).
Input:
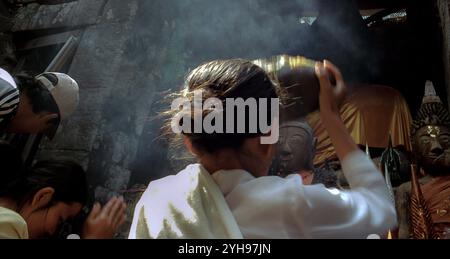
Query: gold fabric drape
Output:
(370,113)
(437,194)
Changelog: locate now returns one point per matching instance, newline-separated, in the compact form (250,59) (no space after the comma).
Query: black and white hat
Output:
(65,93)
(7,78)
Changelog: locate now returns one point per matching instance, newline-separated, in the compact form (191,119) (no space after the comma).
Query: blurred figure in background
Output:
(229,194)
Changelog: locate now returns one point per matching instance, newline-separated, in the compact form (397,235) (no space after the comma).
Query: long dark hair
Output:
(67,178)
(222,79)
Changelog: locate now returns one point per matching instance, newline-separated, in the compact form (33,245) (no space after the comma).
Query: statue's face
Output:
(432,144)
(296,150)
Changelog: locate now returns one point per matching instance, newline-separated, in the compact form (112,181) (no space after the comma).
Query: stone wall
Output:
(72,14)
(121,65)
(130,53)
(106,78)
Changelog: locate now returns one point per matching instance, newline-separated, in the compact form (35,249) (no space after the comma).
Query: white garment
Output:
(273,207)
(188,205)
(12,225)
(185,206)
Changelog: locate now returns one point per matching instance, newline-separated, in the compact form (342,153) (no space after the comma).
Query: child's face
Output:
(44,222)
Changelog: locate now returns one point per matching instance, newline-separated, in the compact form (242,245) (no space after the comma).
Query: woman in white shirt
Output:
(229,195)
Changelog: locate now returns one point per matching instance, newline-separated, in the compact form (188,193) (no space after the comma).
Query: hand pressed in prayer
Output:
(103,223)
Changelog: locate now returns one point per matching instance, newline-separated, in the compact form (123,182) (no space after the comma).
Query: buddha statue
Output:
(296,152)
(430,133)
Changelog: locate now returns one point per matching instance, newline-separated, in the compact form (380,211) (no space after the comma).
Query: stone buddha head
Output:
(431,134)
(296,148)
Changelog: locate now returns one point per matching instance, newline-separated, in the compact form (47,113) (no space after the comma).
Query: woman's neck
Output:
(222,160)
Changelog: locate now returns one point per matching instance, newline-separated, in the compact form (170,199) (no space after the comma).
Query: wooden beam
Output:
(381,4)
(52,39)
(313,6)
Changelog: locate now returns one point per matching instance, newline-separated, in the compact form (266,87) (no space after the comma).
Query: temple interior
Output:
(127,57)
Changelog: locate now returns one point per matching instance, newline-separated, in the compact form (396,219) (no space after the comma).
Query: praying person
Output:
(228,193)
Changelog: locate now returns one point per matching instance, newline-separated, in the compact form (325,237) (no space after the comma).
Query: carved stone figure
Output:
(296,155)
(431,146)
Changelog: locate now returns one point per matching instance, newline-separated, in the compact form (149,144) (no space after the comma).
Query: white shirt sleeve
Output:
(357,213)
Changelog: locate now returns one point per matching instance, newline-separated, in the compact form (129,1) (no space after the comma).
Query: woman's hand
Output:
(330,97)
(103,223)
(330,100)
